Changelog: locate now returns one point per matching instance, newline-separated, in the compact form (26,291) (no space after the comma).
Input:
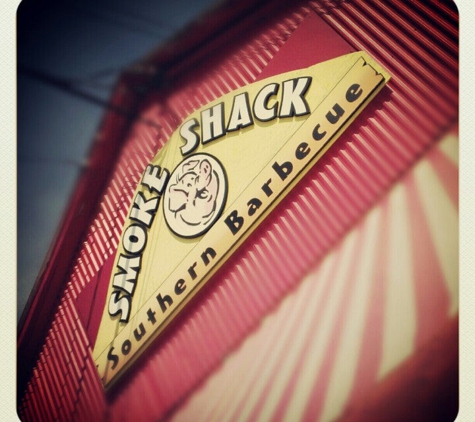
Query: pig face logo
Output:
(195,195)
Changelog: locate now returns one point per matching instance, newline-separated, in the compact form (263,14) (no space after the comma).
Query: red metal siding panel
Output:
(277,332)
(58,371)
(385,142)
(38,393)
(34,403)
(50,384)
(47,398)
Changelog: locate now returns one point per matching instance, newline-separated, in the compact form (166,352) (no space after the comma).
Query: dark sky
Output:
(84,43)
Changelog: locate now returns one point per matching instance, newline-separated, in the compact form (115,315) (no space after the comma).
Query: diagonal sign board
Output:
(219,175)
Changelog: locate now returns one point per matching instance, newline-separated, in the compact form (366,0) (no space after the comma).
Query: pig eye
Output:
(202,194)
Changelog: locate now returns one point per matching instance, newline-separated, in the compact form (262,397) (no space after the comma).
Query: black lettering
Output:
(164,302)
(302,151)
(354,92)
(192,271)
(113,358)
(204,256)
(126,347)
(333,118)
(266,188)
(254,204)
(234,222)
(151,316)
(138,335)
(180,286)
(283,170)
(316,133)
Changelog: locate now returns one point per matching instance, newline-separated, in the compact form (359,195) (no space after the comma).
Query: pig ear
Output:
(190,165)
(205,167)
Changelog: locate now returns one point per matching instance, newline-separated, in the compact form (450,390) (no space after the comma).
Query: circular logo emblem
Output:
(195,195)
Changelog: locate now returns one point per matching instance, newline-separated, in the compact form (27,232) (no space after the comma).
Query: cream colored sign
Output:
(224,169)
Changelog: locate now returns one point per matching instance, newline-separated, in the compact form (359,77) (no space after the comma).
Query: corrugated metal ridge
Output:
(370,288)
(102,240)
(244,294)
(416,63)
(406,121)
(67,379)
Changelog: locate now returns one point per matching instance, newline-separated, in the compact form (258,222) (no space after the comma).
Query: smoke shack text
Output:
(267,105)
(134,240)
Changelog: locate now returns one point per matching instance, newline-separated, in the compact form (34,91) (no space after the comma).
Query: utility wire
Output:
(106,14)
(70,88)
(51,160)
(141,19)
(92,77)
(133,68)
(107,17)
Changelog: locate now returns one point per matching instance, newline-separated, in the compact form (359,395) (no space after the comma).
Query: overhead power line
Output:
(51,160)
(70,88)
(141,19)
(108,15)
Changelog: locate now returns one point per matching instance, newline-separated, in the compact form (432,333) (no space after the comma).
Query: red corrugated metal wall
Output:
(417,42)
